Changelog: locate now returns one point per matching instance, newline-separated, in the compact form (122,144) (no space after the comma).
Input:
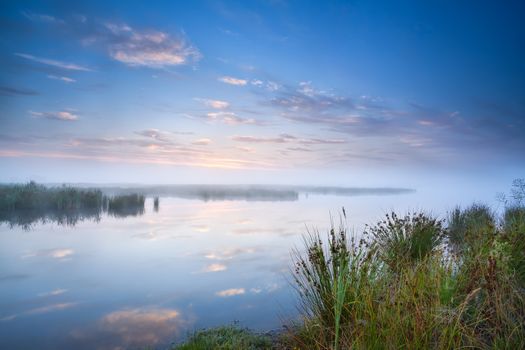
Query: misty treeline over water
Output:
(26,204)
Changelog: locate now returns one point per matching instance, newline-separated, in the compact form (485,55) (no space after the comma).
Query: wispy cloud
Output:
(233,81)
(216,104)
(12,91)
(287,138)
(230,118)
(156,134)
(64,79)
(41,17)
(68,116)
(55,63)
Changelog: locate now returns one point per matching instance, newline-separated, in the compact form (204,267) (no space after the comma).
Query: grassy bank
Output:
(409,282)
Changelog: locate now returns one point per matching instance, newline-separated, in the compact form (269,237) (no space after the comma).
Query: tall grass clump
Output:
(400,287)
(470,227)
(406,240)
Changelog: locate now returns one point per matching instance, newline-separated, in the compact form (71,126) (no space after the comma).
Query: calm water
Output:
(152,278)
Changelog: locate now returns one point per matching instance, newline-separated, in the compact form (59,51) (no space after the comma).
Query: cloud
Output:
(287,138)
(217,104)
(39,17)
(54,63)
(148,48)
(202,142)
(12,91)
(123,43)
(231,118)
(64,79)
(155,134)
(255,139)
(233,81)
(61,115)
(230,292)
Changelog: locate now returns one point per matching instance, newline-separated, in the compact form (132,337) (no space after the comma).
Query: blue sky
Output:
(319,92)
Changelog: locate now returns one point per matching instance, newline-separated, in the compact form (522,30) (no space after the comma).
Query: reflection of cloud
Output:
(228,254)
(53,292)
(230,292)
(262,230)
(13,277)
(40,310)
(132,328)
(61,253)
(214,268)
(52,253)
(269,288)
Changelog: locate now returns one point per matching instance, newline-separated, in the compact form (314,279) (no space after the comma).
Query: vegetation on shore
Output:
(410,282)
(24,204)
(226,338)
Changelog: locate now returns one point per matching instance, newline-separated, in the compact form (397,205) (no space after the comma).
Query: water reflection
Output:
(27,219)
(133,283)
(131,328)
(251,192)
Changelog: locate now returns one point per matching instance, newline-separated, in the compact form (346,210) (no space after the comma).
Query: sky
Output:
(306,92)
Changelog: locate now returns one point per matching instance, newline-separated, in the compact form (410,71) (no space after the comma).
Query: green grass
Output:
(226,338)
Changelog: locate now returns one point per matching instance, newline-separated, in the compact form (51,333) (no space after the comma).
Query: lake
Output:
(199,261)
